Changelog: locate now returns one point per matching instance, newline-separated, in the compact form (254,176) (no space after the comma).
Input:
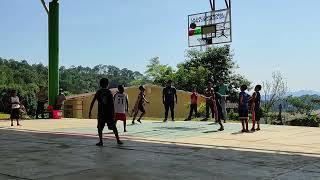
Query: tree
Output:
(26,79)
(159,73)
(303,104)
(274,91)
(219,65)
(186,79)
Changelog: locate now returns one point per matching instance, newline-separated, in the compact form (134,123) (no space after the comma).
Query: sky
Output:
(268,35)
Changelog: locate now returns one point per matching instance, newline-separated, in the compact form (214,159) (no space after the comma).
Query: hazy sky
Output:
(268,35)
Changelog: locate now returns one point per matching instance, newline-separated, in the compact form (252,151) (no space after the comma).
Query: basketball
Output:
(193,25)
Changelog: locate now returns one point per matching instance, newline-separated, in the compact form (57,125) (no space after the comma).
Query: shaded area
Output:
(30,155)
(179,128)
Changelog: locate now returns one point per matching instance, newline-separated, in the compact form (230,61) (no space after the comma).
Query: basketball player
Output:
(139,106)
(121,106)
(105,110)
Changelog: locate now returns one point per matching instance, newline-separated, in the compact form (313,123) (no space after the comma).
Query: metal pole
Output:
(44,6)
(53,24)
(213,4)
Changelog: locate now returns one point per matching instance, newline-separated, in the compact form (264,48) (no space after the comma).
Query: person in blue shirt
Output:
(243,108)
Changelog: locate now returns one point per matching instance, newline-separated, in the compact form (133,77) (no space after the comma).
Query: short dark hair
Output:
(259,87)
(169,81)
(244,87)
(104,82)
(120,87)
(141,88)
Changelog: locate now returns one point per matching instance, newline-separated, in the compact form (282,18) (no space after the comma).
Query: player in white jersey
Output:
(121,106)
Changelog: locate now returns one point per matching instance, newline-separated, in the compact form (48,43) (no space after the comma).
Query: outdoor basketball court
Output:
(64,149)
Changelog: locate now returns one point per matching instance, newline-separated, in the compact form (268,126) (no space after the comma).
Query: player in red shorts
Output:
(121,106)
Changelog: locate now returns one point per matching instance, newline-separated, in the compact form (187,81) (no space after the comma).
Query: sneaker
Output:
(119,142)
(132,122)
(258,129)
(243,130)
(172,119)
(188,119)
(253,130)
(221,129)
(19,125)
(139,121)
(11,124)
(99,144)
(164,120)
(205,119)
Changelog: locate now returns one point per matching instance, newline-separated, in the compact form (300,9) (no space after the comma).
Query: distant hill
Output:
(303,92)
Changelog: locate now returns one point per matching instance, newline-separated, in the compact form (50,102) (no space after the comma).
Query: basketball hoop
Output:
(212,27)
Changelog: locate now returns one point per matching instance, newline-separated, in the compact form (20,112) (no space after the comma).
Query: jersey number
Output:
(120,100)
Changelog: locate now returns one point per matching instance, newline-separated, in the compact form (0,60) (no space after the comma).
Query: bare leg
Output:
(247,124)
(115,131)
(221,125)
(100,143)
(253,120)
(134,117)
(142,114)
(258,124)
(242,123)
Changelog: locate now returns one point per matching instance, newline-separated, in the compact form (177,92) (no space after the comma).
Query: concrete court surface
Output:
(65,149)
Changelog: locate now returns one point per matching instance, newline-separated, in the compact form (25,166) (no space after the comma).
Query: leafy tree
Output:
(219,65)
(303,104)
(186,79)
(27,79)
(215,63)
(159,73)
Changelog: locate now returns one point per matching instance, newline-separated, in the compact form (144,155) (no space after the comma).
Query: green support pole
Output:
(53,51)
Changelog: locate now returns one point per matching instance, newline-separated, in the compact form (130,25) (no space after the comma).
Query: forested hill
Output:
(215,64)
(26,78)
(23,76)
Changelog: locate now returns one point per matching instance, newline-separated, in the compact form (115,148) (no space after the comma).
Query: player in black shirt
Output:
(169,98)
(255,108)
(105,110)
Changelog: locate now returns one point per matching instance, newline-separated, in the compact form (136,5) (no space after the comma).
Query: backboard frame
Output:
(220,19)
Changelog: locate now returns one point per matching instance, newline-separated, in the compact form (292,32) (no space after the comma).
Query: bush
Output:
(202,110)
(309,121)
(233,116)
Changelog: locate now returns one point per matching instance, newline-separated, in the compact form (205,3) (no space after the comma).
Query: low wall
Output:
(153,94)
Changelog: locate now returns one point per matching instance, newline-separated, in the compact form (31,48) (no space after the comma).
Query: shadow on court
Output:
(179,128)
(31,155)
(214,131)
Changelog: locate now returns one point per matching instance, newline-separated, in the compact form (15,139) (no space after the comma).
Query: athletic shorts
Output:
(111,123)
(120,116)
(243,113)
(141,108)
(15,113)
